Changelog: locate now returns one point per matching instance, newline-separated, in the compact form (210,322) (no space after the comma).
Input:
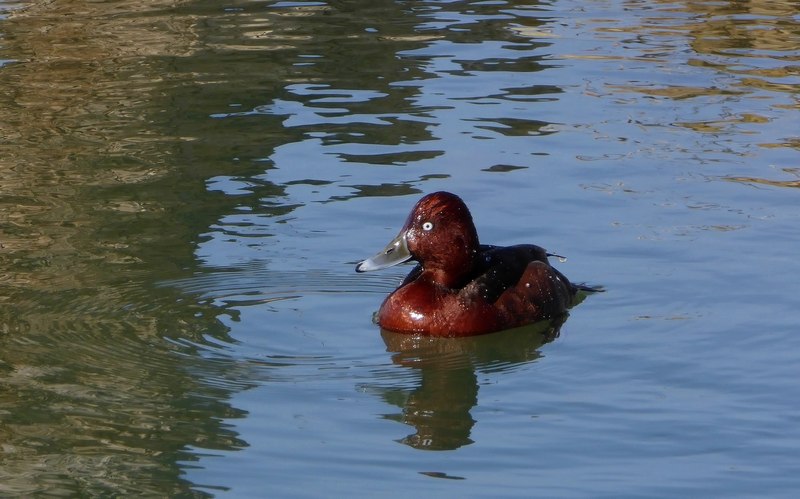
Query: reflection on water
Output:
(792,173)
(439,407)
(743,47)
(95,405)
(93,212)
(151,152)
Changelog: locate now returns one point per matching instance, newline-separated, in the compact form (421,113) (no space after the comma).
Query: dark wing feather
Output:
(501,267)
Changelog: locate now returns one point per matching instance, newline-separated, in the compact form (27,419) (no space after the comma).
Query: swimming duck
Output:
(461,287)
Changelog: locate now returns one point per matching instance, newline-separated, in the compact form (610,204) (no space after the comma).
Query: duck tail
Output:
(586,288)
(577,287)
(561,258)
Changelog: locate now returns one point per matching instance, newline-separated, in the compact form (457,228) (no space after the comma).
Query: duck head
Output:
(440,235)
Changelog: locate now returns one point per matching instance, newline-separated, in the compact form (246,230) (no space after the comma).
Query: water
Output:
(186,187)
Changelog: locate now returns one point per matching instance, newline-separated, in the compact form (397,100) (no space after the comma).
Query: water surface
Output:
(186,186)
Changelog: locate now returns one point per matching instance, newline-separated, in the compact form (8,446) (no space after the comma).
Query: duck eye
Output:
(427,226)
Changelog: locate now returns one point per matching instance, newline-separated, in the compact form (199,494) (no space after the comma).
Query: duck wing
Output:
(501,267)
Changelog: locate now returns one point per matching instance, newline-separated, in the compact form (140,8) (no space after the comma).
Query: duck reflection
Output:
(439,408)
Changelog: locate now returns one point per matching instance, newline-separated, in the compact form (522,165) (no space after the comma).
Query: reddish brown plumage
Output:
(461,288)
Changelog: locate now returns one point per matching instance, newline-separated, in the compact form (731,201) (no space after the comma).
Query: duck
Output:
(460,287)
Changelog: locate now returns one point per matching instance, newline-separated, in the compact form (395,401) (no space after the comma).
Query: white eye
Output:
(427,226)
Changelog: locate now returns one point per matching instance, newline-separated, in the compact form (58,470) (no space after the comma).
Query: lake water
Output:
(186,186)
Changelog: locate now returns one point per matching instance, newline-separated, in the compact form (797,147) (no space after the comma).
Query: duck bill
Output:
(394,253)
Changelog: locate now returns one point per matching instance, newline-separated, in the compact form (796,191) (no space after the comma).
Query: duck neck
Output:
(454,270)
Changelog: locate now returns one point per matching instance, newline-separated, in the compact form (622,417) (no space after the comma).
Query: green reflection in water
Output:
(102,198)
